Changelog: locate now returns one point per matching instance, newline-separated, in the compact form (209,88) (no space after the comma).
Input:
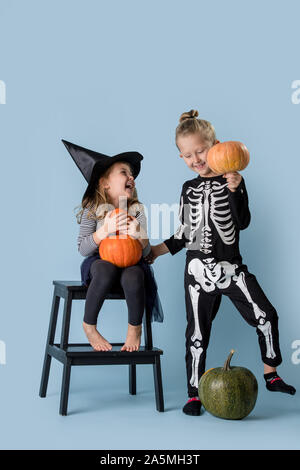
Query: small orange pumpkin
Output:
(120,250)
(228,156)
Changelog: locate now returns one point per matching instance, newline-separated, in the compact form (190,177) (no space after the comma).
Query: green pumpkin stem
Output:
(227,363)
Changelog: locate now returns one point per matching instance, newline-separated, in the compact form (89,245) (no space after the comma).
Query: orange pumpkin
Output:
(120,250)
(228,156)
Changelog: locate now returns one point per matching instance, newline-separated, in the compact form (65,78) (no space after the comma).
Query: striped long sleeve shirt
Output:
(85,241)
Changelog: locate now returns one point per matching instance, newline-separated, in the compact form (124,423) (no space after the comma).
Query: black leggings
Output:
(103,276)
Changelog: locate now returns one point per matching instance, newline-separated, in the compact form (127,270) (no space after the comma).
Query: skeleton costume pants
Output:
(205,282)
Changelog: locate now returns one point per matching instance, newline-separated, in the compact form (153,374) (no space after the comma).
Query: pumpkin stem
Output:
(227,363)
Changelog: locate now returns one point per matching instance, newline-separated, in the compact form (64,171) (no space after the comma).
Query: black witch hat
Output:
(92,164)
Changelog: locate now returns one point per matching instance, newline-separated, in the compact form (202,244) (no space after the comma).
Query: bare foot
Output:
(133,339)
(97,341)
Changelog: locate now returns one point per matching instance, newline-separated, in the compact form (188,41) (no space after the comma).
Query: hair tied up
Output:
(189,115)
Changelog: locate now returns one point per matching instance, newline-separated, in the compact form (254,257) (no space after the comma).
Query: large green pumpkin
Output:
(228,392)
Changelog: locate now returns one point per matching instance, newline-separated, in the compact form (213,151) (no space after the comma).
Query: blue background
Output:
(115,76)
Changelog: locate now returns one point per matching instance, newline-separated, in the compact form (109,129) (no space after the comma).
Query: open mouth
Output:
(129,186)
(199,165)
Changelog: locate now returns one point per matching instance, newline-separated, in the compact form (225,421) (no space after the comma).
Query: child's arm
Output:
(159,250)
(89,238)
(239,205)
(85,242)
(176,242)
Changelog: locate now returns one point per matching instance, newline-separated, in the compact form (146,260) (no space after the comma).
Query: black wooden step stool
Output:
(83,354)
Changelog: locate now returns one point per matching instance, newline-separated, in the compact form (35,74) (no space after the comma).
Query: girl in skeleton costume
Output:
(213,209)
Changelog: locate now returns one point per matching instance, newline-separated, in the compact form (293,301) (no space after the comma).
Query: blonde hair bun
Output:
(189,115)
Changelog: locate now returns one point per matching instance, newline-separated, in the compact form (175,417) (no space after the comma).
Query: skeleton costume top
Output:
(211,217)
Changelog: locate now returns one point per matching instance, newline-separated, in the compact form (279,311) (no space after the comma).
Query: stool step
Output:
(86,350)
(83,354)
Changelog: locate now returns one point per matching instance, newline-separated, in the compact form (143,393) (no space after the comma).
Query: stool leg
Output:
(132,379)
(65,386)
(50,340)
(66,321)
(147,329)
(158,384)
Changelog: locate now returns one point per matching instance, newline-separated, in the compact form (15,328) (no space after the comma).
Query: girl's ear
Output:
(103,182)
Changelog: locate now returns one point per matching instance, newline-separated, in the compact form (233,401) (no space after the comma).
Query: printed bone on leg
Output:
(196,353)
(241,283)
(194,295)
(267,331)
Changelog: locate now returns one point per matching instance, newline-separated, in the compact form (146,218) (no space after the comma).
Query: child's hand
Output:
(115,222)
(233,180)
(150,257)
(133,228)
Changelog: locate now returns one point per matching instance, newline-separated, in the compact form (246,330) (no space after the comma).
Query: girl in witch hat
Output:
(111,181)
